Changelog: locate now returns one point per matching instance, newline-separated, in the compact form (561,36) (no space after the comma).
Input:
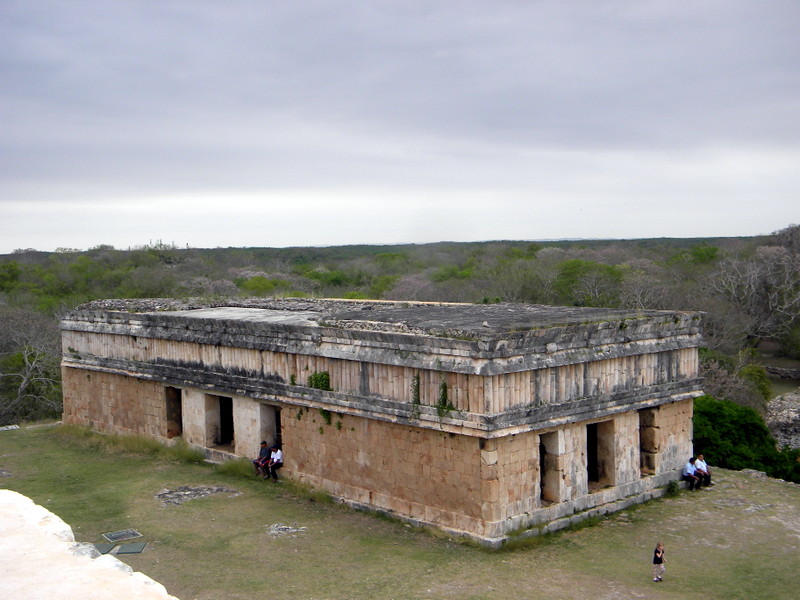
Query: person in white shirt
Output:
(702,471)
(689,474)
(275,462)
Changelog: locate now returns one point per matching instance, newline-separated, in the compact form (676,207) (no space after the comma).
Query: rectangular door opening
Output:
(549,476)
(225,421)
(600,462)
(174,402)
(271,424)
(219,422)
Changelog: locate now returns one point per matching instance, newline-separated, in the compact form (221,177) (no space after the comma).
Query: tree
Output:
(587,283)
(765,287)
(29,366)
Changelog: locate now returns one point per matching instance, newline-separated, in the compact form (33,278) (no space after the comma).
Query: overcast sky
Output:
(288,123)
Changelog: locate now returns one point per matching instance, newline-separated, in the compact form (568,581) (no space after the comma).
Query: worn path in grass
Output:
(737,540)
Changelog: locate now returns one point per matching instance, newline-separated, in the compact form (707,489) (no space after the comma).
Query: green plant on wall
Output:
(326,415)
(443,404)
(320,380)
(415,396)
(415,389)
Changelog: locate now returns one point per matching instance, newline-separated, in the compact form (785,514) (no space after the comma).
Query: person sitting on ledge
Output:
(275,463)
(260,464)
(689,474)
(702,471)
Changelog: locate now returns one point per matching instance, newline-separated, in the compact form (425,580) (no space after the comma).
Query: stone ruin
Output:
(481,420)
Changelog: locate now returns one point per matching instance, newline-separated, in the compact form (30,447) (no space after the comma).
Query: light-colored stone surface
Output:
(40,560)
(783,419)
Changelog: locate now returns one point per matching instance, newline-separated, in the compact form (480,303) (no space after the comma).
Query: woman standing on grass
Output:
(658,562)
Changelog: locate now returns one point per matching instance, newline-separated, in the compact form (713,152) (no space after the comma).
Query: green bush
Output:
(258,285)
(735,437)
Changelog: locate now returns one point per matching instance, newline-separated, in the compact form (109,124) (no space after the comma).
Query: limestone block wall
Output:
(481,394)
(665,436)
(114,403)
(518,471)
(674,430)
(626,448)
(575,482)
(248,430)
(424,474)
(194,417)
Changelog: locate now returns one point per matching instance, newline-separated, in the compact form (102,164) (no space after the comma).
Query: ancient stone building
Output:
(478,419)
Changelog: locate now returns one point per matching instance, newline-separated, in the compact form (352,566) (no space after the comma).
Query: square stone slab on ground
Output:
(131,548)
(103,547)
(121,535)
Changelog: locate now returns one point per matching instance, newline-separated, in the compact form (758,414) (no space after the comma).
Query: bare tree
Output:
(30,385)
(765,287)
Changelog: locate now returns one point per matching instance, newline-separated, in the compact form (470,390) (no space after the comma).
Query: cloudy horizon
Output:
(262,123)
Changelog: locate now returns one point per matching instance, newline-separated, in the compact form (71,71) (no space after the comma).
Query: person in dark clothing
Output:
(658,563)
(260,464)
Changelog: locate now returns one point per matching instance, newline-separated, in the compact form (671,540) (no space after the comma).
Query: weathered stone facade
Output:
(478,419)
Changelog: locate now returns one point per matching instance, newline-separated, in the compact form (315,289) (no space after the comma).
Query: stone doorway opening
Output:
(600,455)
(174,405)
(270,417)
(549,475)
(219,422)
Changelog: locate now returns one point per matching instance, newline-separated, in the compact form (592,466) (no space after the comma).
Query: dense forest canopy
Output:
(749,289)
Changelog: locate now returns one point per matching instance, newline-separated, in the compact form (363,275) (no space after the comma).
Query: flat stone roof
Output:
(476,320)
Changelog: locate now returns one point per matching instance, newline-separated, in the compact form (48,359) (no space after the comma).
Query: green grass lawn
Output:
(737,540)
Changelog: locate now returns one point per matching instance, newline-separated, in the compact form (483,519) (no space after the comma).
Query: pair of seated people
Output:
(270,459)
(696,473)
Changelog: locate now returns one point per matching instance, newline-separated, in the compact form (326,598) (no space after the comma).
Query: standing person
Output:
(260,464)
(702,471)
(689,474)
(275,462)
(659,562)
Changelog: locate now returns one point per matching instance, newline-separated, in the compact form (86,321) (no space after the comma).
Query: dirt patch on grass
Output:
(281,530)
(188,492)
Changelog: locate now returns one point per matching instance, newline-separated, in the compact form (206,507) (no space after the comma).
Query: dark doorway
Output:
(592,463)
(174,402)
(600,455)
(278,438)
(225,421)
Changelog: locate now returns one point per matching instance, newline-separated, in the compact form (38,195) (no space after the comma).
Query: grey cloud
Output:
(111,98)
